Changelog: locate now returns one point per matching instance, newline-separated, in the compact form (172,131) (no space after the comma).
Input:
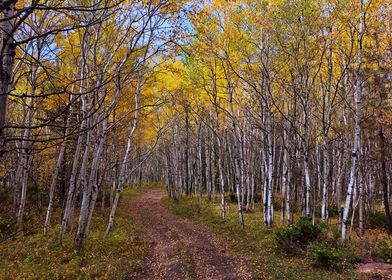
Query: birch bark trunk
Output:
(357,130)
(58,164)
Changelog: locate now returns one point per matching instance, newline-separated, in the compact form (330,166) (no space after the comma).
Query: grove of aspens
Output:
(195,139)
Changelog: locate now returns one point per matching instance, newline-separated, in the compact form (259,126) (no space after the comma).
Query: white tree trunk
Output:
(58,164)
(357,130)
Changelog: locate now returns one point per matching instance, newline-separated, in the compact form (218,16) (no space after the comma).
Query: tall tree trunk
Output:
(7,56)
(384,180)
(58,165)
(357,130)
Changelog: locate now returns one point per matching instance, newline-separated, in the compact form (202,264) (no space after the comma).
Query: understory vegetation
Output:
(31,255)
(260,245)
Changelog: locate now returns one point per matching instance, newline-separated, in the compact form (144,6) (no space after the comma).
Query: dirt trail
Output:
(181,249)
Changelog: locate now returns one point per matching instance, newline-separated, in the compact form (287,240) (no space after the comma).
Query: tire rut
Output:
(179,248)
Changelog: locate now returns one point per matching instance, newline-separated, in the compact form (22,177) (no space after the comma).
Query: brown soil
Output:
(179,248)
(375,270)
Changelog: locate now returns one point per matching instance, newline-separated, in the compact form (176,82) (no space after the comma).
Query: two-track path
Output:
(179,248)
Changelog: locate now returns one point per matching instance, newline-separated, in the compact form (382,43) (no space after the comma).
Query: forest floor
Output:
(180,248)
(29,254)
(255,245)
(157,238)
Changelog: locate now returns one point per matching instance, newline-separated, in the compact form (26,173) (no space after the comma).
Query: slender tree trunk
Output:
(285,181)
(384,180)
(91,192)
(58,165)
(324,208)
(222,180)
(270,163)
(25,150)
(306,165)
(357,129)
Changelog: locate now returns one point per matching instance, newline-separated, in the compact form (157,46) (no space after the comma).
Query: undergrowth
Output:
(256,243)
(31,255)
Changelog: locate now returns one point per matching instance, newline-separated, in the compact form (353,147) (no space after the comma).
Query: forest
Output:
(195,139)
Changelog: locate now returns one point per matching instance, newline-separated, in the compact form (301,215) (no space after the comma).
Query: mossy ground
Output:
(31,255)
(255,243)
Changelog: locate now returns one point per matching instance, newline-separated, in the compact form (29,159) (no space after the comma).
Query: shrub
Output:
(277,204)
(375,220)
(258,197)
(233,197)
(296,237)
(333,211)
(384,250)
(7,227)
(326,256)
